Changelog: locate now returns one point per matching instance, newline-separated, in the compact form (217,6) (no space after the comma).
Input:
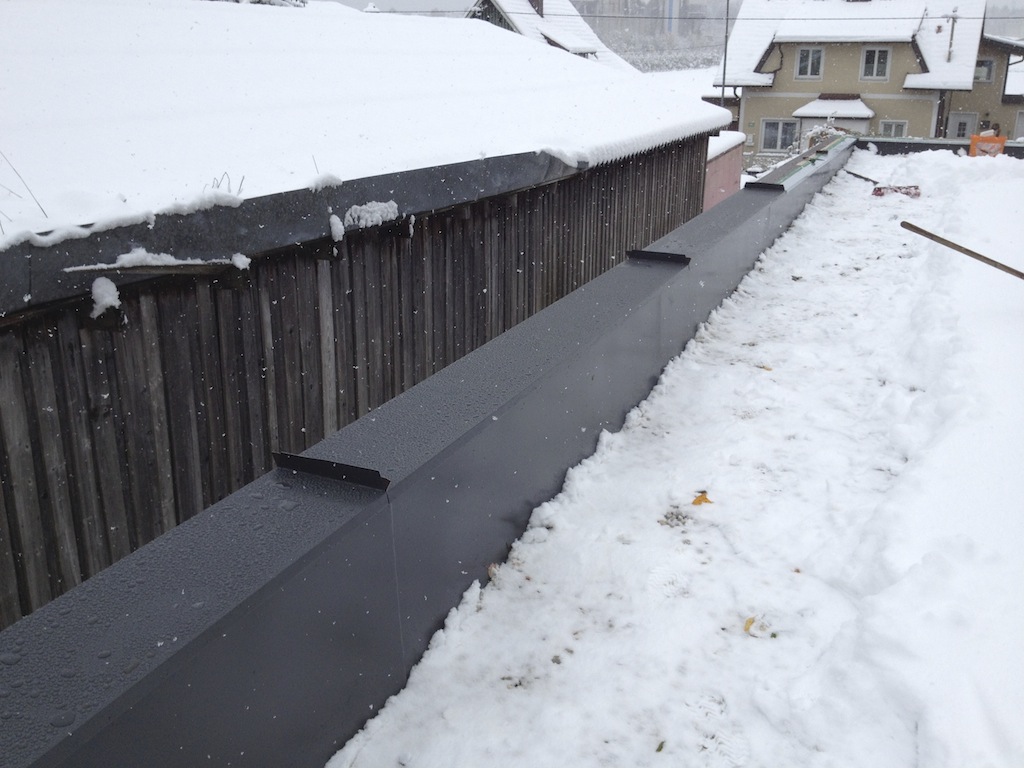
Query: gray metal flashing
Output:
(755,216)
(790,174)
(266,630)
(37,274)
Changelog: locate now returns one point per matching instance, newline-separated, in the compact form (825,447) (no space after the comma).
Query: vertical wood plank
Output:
(209,396)
(85,494)
(131,410)
(165,513)
(10,594)
(103,392)
(374,324)
(19,480)
(360,332)
(310,380)
(267,287)
(407,310)
(176,331)
(254,403)
(326,309)
(344,324)
(422,237)
(289,342)
(231,384)
(50,413)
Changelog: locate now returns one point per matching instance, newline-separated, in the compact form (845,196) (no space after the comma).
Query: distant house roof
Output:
(877,21)
(946,32)
(948,39)
(840,108)
(1015,74)
(558,24)
(209,104)
(1011,44)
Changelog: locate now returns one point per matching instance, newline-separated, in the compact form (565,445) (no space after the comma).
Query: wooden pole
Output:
(725,54)
(966,251)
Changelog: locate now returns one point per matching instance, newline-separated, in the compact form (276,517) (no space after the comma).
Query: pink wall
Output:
(722,176)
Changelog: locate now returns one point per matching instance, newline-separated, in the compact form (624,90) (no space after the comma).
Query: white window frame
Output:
(865,52)
(985,71)
(897,129)
(779,133)
(810,50)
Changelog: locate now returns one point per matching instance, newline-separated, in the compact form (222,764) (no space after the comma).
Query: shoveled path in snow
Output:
(847,596)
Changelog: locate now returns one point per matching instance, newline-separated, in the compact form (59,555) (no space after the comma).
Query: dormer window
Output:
(875,64)
(808,63)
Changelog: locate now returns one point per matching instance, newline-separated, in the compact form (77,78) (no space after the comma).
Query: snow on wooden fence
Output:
(114,430)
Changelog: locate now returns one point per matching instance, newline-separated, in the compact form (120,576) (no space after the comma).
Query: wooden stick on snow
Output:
(966,251)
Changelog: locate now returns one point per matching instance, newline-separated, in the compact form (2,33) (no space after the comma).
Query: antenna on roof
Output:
(952,30)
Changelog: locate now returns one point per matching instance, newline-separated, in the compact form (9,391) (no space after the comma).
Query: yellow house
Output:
(888,68)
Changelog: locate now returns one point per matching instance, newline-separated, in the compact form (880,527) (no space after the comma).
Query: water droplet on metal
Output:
(62,719)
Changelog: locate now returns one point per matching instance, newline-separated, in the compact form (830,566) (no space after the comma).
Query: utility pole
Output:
(725,54)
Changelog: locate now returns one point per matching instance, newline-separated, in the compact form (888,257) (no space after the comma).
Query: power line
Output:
(657,17)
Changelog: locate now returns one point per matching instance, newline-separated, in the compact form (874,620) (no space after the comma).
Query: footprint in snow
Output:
(720,746)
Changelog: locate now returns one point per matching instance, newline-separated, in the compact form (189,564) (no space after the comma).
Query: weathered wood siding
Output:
(111,435)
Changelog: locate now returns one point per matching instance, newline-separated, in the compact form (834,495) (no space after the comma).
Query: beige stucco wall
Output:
(841,66)
(841,69)
(985,99)
(760,104)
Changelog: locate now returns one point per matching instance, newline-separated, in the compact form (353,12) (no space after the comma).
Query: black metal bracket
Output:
(676,258)
(334,470)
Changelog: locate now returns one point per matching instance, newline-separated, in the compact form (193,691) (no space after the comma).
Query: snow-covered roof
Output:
(949,51)
(877,21)
(1015,74)
(841,108)
(1015,81)
(207,103)
(752,34)
(1015,43)
(561,25)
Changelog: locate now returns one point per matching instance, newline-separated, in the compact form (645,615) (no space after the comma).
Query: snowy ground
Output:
(848,595)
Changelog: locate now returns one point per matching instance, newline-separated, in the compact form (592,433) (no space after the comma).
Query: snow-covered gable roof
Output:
(561,25)
(752,35)
(840,108)
(950,50)
(839,21)
(760,23)
(208,103)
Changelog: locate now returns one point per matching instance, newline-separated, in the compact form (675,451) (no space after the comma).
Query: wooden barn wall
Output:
(110,435)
